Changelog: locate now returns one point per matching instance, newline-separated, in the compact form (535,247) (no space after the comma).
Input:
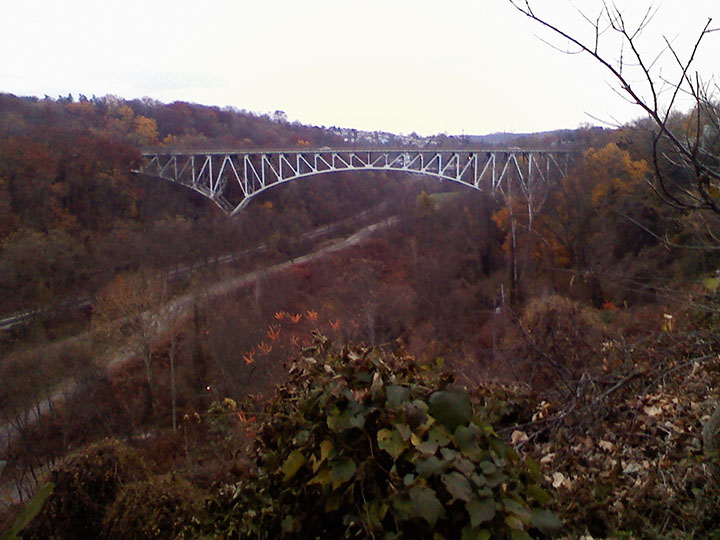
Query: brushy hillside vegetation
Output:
(486,368)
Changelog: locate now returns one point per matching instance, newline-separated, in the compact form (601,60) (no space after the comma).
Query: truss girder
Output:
(231,179)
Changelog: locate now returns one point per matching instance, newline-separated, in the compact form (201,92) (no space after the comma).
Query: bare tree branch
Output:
(700,162)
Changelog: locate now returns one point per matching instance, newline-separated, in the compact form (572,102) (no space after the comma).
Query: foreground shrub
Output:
(159,508)
(553,338)
(360,445)
(85,484)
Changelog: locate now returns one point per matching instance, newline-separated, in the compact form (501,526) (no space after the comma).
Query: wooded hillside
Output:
(486,367)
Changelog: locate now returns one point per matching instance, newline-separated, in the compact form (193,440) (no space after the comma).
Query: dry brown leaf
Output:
(607,446)
(518,437)
(652,410)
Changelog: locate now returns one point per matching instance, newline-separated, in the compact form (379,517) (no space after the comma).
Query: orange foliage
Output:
(273,332)
(610,171)
(580,209)
(146,131)
(264,349)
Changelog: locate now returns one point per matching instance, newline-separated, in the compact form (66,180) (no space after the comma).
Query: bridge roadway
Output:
(231,178)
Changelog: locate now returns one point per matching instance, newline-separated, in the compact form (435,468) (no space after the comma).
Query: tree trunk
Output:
(149,376)
(711,441)
(173,394)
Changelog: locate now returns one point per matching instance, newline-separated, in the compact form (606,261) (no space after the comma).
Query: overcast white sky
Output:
(453,66)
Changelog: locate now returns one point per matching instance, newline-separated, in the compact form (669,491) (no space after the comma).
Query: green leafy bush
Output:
(360,444)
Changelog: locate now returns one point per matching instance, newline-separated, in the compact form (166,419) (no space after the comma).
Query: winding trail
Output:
(163,320)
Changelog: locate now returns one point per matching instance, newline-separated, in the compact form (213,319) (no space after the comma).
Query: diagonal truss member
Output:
(232,178)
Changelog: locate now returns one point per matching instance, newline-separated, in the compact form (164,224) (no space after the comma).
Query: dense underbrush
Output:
(367,443)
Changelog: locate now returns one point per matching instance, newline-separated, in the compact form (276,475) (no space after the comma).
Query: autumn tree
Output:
(523,199)
(124,125)
(131,310)
(7,219)
(589,210)
(685,154)
(28,169)
(373,306)
(36,267)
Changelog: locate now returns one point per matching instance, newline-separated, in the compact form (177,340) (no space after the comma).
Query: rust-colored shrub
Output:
(553,341)
(85,484)
(160,507)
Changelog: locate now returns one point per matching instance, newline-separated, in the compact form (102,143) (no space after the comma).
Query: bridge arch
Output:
(303,176)
(232,179)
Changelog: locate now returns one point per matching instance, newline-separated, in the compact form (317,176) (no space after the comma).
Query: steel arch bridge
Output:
(232,178)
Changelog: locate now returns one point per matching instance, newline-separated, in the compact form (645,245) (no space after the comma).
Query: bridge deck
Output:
(328,150)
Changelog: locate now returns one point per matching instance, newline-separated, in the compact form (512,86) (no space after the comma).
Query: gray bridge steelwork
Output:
(232,178)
